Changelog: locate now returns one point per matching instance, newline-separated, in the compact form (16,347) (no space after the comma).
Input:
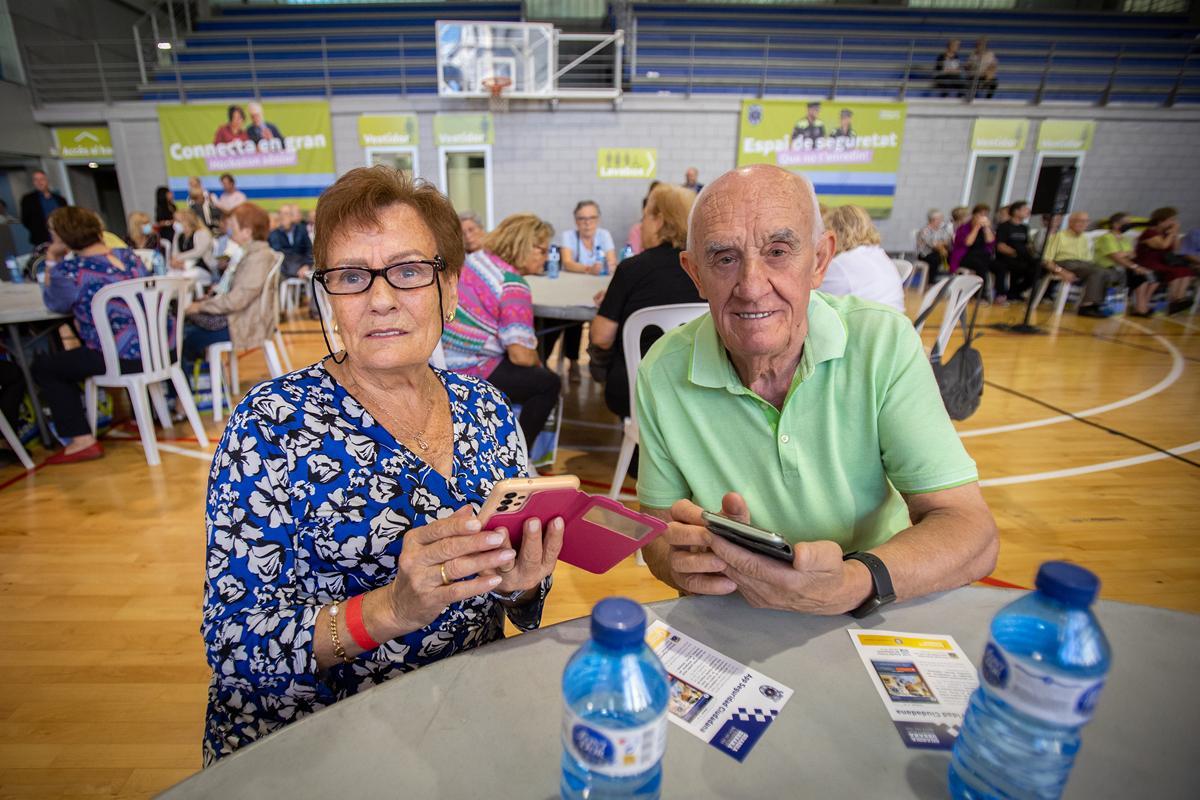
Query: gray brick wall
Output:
(544,161)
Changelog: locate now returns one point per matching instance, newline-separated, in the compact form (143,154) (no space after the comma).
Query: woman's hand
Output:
(57,251)
(193,308)
(539,554)
(433,568)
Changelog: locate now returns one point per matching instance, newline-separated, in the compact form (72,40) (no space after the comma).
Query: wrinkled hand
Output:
(454,547)
(1068,276)
(535,560)
(690,562)
(817,581)
(57,251)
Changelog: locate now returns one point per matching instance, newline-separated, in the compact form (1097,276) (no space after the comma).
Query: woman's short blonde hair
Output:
(188,218)
(515,235)
(134,227)
(853,227)
(671,204)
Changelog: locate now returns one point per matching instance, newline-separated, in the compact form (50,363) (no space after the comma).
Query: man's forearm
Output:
(947,548)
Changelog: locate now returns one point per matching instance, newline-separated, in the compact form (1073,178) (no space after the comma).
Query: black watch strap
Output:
(882,579)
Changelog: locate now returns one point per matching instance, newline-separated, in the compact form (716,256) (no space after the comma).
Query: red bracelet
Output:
(356,626)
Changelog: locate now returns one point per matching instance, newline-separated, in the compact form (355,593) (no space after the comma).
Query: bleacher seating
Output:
(368,49)
(789,50)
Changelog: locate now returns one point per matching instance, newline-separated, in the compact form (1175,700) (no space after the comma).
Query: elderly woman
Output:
(342,545)
(491,335)
(235,314)
(589,249)
(934,241)
(70,286)
(860,266)
(651,278)
(1156,248)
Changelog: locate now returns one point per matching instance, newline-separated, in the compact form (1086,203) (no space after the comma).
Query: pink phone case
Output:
(586,545)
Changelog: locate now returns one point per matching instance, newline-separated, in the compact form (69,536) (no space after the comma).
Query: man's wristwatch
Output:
(880,577)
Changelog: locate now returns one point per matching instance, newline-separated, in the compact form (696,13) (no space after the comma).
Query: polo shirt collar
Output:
(711,367)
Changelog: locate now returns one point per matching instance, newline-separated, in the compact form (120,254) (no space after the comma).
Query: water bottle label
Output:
(614,752)
(1040,693)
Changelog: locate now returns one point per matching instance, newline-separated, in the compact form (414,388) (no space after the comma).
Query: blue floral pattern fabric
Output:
(309,499)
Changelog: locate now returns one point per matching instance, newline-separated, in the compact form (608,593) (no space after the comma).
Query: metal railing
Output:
(166,23)
(1161,72)
(589,66)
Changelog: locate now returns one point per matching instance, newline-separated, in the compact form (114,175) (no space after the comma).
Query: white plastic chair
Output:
(665,317)
(149,302)
(905,268)
(272,346)
(928,300)
(14,443)
(153,260)
(962,289)
(291,294)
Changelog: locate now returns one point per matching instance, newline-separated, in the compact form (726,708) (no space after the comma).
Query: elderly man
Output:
(37,206)
(811,416)
(291,239)
(472,231)
(1068,256)
(691,180)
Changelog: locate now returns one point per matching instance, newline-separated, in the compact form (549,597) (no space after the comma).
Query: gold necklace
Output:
(418,435)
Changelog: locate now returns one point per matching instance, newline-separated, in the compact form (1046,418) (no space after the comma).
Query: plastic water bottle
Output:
(627,252)
(601,260)
(1040,679)
(14,270)
(615,722)
(553,262)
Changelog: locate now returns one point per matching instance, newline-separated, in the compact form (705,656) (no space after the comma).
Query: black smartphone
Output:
(750,537)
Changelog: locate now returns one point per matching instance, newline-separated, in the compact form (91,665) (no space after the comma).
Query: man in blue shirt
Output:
(291,239)
(37,206)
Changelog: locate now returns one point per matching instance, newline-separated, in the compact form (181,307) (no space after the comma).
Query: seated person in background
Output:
(291,239)
(490,333)
(1114,251)
(139,232)
(860,267)
(947,73)
(652,278)
(203,205)
(70,286)
(589,248)
(235,315)
(231,196)
(933,242)
(815,417)
(1016,267)
(988,83)
(192,250)
(974,243)
(472,231)
(1156,249)
(342,547)
(1068,257)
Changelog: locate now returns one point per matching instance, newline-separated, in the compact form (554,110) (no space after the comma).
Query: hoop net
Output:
(496,85)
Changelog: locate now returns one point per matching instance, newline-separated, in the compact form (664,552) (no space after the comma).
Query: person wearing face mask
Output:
(139,233)
(192,248)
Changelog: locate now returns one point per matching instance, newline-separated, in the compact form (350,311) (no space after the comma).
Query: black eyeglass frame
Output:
(437,262)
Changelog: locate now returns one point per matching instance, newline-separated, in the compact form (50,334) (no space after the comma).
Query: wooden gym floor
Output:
(1088,441)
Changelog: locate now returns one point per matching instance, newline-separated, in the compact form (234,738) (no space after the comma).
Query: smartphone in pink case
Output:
(599,532)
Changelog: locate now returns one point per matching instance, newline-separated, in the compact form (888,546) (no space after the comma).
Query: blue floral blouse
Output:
(309,499)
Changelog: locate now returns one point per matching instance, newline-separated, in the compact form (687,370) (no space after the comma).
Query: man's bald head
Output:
(742,185)
(1078,221)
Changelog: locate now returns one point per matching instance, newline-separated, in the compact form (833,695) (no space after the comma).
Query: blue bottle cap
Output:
(1068,583)
(618,622)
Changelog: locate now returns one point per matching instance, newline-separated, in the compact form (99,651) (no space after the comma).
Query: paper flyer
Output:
(713,697)
(924,680)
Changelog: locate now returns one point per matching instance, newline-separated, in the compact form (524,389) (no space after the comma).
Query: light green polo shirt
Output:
(1108,244)
(1066,245)
(862,422)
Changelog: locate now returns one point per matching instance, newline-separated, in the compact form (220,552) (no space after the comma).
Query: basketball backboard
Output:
(468,53)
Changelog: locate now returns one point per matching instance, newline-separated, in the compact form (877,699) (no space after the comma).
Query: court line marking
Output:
(1177,364)
(1090,468)
(1180,322)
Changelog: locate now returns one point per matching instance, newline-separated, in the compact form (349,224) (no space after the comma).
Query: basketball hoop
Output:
(496,84)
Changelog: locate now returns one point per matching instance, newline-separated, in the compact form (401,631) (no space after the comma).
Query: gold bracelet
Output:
(338,650)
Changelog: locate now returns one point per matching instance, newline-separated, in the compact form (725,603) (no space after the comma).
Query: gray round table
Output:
(27,320)
(486,723)
(568,297)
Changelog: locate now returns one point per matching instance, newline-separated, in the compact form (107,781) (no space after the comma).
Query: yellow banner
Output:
(874,640)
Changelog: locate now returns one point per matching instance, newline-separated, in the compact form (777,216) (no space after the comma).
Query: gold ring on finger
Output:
(445,579)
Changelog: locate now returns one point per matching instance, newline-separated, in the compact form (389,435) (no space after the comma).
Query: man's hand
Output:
(689,563)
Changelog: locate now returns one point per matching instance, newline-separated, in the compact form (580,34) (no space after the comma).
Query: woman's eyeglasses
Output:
(587,219)
(356,280)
